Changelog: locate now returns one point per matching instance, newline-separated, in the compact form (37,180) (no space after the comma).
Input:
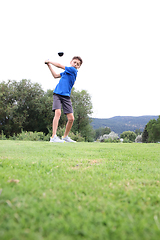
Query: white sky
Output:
(118,40)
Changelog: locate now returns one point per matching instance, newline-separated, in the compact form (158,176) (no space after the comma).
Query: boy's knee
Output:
(71,118)
(57,113)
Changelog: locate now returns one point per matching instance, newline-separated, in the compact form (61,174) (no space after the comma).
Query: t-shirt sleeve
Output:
(70,70)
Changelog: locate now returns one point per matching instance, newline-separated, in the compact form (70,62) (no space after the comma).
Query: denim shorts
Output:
(64,101)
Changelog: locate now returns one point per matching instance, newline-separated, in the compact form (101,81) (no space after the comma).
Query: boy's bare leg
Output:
(69,124)
(56,121)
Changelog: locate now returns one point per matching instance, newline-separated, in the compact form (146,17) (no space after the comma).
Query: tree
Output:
(138,132)
(25,106)
(131,136)
(82,107)
(138,139)
(46,111)
(29,102)
(153,129)
(145,135)
(7,106)
(101,131)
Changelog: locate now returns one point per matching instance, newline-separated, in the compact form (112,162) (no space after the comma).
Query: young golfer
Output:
(61,95)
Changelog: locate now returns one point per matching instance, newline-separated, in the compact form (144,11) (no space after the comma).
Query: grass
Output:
(79,191)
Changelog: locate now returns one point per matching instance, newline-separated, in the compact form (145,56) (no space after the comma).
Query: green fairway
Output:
(73,191)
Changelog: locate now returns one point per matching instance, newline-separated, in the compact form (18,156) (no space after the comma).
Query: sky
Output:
(118,40)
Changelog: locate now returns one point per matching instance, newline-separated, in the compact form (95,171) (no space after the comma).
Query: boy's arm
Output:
(55,75)
(56,64)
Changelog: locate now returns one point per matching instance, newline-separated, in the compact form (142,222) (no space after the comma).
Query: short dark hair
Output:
(79,58)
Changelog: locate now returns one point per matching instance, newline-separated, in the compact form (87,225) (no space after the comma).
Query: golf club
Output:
(60,54)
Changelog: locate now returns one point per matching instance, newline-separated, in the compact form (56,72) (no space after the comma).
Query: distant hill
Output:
(120,124)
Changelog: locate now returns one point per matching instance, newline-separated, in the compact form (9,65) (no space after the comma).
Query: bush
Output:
(112,136)
(2,136)
(131,136)
(14,137)
(110,140)
(138,139)
(76,137)
(40,136)
(126,140)
(30,136)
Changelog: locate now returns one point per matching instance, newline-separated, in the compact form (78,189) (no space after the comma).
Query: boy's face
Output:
(75,63)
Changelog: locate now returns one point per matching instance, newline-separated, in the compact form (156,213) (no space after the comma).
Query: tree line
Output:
(26,106)
(150,134)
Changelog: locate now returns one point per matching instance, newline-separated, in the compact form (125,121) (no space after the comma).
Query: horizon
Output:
(130,116)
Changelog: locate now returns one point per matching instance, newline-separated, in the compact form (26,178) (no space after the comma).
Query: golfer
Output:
(61,95)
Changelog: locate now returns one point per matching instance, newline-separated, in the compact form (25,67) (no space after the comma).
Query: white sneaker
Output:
(56,139)
(68,139)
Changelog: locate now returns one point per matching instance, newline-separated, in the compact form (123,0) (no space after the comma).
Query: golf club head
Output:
(60,54)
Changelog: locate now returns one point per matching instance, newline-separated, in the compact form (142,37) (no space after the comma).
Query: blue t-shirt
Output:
(68,78)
